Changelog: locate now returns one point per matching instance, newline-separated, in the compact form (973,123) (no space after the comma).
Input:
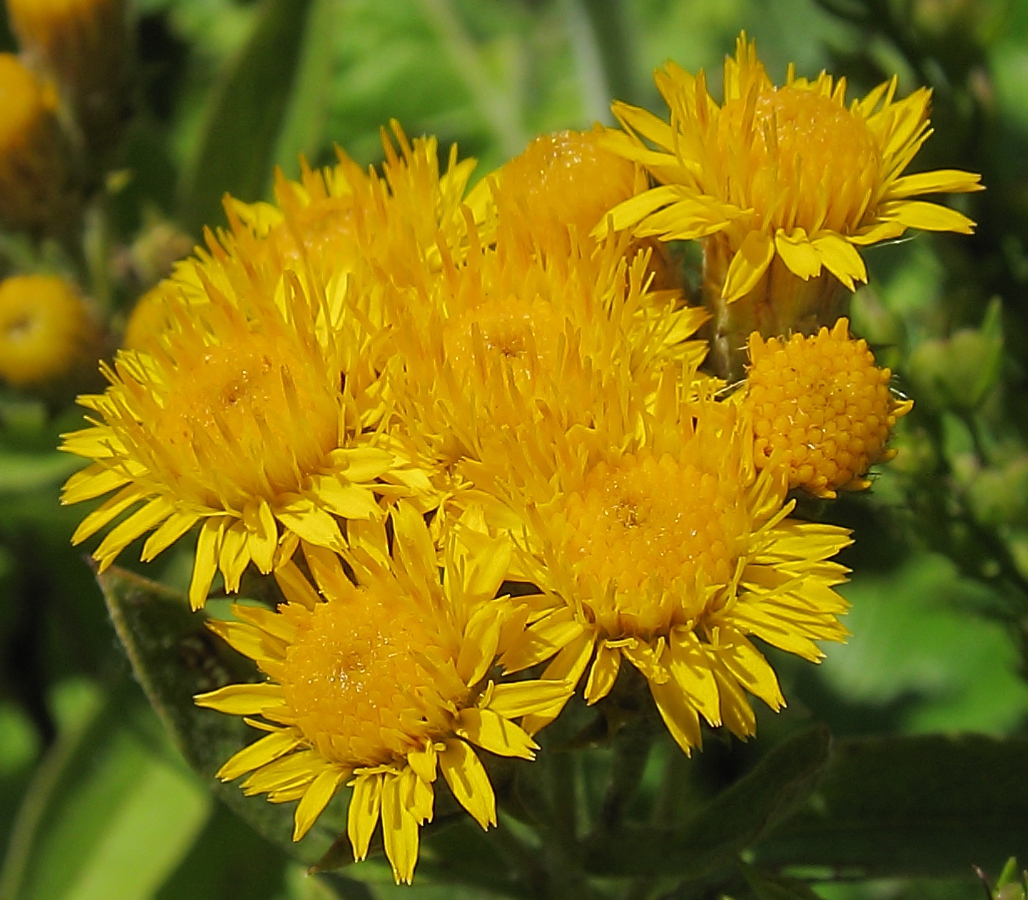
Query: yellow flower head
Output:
(257,416)
(148,320)
(338,217)
(33,164)
(820,407)
(782,182)
(661,546)
(46,331)
(383,685)
(562,183)
(568,179)
(83,45)
(510,338)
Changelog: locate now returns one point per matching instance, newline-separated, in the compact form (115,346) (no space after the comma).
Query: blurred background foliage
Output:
(95,802)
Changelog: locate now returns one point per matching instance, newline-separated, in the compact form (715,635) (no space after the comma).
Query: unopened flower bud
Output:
(33,163)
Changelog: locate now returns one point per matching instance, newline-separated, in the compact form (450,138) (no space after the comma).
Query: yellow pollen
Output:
(368,680)
(813,163)
(648,518)
(525,335)
(822,407)
(248,400)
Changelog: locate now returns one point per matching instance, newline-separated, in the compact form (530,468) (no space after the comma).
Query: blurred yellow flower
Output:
(33,160)
(659,545)
(257,415)
(821,407)
(46,331)
(383,686)
(83,46)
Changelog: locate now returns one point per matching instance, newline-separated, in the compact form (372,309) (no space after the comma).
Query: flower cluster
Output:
(475,437)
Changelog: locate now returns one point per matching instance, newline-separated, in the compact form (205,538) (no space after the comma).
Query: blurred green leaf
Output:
(304,127)
(959,371)
(24,472)
(907,806)
(723,828)
(245,118)
(174,656)
(916,637)
(108,815)
(772,887)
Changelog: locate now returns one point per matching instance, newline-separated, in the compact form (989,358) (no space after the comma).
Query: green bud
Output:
(960,371)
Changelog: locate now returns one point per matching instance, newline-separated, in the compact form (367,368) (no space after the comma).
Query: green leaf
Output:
(907,806)
(727,825)
(174,657)
(303,128)
(109,813)
(771,887)
(245,118)
(917,645)
(21,473)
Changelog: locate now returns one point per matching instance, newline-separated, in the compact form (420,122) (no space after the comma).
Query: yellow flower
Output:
(511,338)
(821,407)
(560,187)
(46,331)
(338,217)
(33,164)
(147,321)
(383,685)
(258,417)
(83,45)
(656,543)
(782,183)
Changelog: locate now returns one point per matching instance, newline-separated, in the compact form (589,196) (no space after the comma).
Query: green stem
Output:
(611,34)
(631,753)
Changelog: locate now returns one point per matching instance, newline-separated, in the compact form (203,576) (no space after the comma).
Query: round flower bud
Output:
(46,332)
(33,164)
(83,46)
(821,407)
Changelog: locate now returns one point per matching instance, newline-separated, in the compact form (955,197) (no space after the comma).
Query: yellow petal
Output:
(841,259)
(107,512)
(423,762)
(141,521)
(242,699)
(311,523)
(468,781)
(748,265)
(692,670)
(399,831)
(495,733)
(542,640)
(348,501)
(91,482)
(295,587)
(526,697)
(940,181)
(170,530)
(362,816)
(798,253)
(260,522)
(926,216)
(208,545)
(315,799)
(234,556)
(257,754)
(681,719)
(603,674)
